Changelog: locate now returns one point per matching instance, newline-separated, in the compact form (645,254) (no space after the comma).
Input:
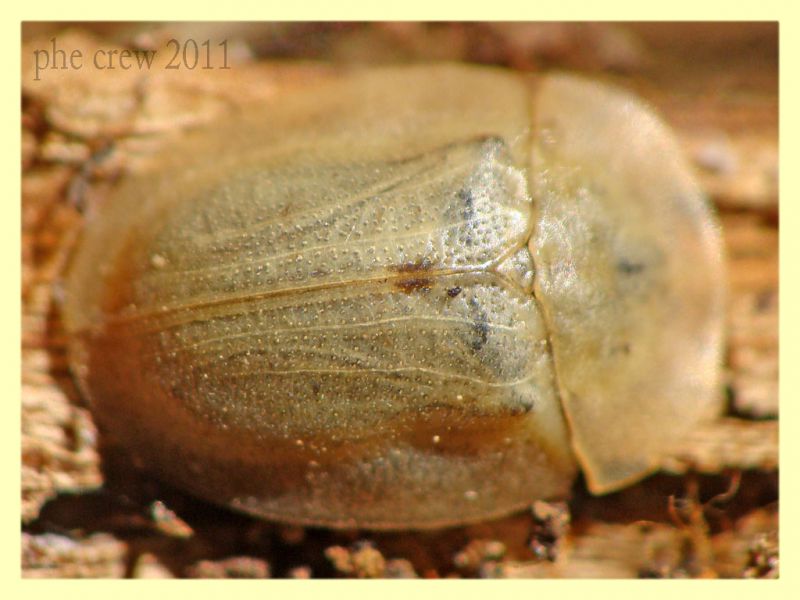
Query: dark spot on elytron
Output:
(420,265)
(480,325)
(414,284)
(315,387)
(523,408)
(465,195)
(482,329)
(624,348)
(518,405)
(627,267)
(454,291)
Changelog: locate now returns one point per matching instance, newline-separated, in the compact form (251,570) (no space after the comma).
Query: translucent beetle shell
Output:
(410,298)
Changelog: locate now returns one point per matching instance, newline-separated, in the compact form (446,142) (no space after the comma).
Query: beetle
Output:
(412,297)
